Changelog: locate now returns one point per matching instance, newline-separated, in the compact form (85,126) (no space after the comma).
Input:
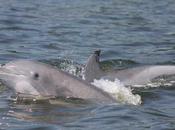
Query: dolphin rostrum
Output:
(36,78)
(132,76)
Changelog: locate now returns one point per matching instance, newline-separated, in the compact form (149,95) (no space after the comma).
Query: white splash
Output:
(118,91)
(74,69)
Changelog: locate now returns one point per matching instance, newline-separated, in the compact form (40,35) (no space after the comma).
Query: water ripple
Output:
(64,33)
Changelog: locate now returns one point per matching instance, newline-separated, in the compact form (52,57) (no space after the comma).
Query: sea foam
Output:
(121,93)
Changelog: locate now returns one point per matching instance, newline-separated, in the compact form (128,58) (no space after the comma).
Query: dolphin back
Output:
(141,75)
(131,76)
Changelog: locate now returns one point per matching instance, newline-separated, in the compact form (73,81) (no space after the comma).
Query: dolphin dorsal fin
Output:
(92,67)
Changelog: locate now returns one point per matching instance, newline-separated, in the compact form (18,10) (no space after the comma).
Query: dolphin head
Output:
(28,77)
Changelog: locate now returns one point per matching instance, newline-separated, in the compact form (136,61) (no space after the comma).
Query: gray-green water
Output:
(129,32)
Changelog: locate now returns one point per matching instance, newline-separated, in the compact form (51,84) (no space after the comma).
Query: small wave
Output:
(118,91)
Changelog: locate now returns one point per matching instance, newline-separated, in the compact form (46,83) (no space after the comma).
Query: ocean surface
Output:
(64,33)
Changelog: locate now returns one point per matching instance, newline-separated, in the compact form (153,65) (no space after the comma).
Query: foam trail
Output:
(118,91)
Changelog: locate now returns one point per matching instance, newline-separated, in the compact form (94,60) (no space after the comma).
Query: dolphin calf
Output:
(36,78)
(132,76)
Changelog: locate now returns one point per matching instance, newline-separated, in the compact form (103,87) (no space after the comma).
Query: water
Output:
(65,33)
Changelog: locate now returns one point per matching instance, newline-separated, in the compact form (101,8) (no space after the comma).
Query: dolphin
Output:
(141,75)
(40,79)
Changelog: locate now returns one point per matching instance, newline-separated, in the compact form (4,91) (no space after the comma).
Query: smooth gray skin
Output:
(131,76)
(36,78)
(92,67)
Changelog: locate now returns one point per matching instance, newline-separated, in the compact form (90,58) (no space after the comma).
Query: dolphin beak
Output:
(10,78)
(6,78)
(3,72)
(7,75)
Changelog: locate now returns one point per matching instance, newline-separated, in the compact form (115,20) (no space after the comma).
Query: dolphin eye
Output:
(36,75)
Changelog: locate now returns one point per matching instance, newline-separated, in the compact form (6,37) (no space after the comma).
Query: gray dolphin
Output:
(36,78)
(131,76)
